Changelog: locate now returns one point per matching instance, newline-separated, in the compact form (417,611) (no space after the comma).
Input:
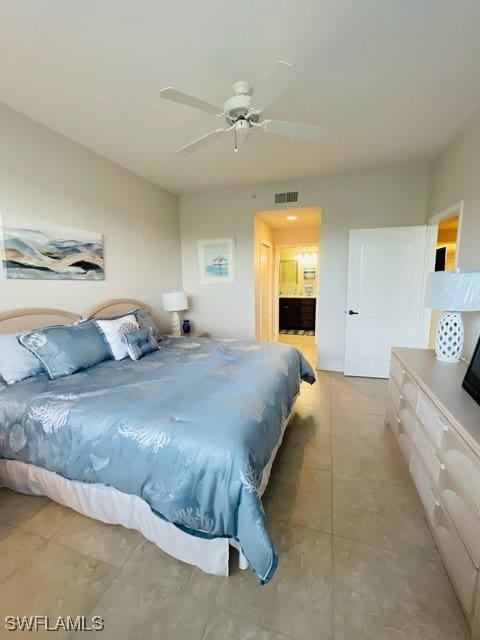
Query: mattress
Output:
(188,429)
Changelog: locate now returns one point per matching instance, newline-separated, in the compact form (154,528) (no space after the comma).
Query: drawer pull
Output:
(435,500)
(435,453)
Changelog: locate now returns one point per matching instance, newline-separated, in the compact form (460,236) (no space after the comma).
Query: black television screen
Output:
(471,382)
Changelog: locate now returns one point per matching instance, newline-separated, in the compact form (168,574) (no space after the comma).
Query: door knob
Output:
(351,312)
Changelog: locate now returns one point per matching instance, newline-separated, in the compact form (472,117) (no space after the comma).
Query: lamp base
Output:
(176,326)
(449,337)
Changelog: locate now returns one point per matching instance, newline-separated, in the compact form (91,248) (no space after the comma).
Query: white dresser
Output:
(437,425)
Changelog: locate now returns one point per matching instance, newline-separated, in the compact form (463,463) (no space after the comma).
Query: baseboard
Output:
(330,365)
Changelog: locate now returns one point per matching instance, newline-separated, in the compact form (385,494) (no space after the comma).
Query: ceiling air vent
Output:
(288,196)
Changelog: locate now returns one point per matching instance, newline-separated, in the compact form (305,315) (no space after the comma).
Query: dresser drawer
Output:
(423,484)
(463,465)
(408,420)
(429,454)
(409,392)
(397,371)
(459,565)
(402,437)
(395,396)
(463,512)
(430,418)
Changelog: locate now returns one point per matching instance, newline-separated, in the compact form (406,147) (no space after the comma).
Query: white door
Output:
(386,276)
(265,291)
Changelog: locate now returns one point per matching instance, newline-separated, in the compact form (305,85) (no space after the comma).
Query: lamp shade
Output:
(453,291)
(175,301)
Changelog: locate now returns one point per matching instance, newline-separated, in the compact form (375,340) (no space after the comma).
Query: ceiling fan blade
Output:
(294,129)
(205,140)
(274,84)
(169,93)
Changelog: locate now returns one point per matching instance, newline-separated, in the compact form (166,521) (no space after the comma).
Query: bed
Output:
(178,445)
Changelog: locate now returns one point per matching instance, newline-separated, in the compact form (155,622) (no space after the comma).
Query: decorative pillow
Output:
(63,350)
(16,362)
(139,343)
(145,321)
(114,330)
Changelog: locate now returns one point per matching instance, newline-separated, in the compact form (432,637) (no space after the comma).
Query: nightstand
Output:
(192,334)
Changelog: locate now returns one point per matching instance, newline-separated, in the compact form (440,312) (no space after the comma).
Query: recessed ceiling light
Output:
(291,218)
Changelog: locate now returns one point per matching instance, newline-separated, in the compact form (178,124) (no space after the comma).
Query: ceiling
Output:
(305,217)
(391,81)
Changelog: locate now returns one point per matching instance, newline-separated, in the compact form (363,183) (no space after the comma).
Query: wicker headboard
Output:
(25,319)
(114,307)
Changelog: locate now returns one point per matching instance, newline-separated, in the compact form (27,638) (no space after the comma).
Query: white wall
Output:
(389,197)
(455,176)
(44,175)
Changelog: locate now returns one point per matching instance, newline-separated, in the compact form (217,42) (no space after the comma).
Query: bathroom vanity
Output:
(297,312)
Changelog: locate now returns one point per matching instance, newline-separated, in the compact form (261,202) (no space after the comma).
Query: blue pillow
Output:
(145,321)
(139,343)
(63,350)
(16,362)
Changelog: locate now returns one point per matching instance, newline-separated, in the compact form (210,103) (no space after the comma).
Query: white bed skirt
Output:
(115,507)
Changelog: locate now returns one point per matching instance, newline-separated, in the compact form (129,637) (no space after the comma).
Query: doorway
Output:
(445,232)
(265,293)
(297,296)
(287,251)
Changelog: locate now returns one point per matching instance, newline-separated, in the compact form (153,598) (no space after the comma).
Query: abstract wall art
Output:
(36,250)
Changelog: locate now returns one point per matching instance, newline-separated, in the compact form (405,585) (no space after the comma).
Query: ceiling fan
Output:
(241,117)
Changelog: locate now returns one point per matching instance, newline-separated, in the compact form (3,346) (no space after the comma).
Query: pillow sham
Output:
(142,316)
(16,362)
(145,321)
(114,330)
(139,343)
(63,350)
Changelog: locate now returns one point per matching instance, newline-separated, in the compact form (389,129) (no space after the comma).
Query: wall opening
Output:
(446,254)
(286,255)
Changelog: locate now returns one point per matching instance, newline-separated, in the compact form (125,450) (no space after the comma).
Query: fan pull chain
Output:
(235,148)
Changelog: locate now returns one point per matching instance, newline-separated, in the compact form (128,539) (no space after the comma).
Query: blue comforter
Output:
(188,428)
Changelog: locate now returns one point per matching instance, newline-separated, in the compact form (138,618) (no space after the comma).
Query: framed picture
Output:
(35,250)
(309,273)
(216,260)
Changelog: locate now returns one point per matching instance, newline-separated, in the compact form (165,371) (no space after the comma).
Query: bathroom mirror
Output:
(288,273)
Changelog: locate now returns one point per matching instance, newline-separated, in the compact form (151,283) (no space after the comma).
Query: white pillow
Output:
(114,330)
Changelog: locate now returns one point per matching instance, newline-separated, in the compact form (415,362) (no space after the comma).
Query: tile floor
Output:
(306,344)
(357,559)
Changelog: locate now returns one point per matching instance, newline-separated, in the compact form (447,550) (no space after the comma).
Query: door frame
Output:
(276,284)
(432,224)
(268,244)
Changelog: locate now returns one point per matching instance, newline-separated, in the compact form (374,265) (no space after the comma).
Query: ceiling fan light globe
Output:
(242,128)
(242,87)
(237,106)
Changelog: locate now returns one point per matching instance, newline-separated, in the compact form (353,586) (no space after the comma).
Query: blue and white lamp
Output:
(453,292)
